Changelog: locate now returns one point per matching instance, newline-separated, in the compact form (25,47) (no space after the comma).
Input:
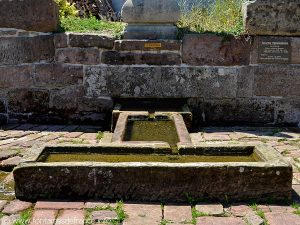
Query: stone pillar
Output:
(150,19)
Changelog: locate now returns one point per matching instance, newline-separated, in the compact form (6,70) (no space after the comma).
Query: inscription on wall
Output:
(274,50)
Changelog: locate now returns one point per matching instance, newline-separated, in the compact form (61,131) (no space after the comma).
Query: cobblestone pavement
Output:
(15,140)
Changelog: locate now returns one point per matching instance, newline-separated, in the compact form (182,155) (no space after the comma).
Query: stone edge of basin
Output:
(181,129)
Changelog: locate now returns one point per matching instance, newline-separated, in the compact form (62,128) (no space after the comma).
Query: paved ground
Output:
(15,140)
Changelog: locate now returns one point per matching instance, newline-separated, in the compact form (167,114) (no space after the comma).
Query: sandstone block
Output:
(16,76)
(91,40)
(121,58)
(28,100)
(58,205)
(210,49)
(57,75)
(148,45)
(268,17)
(16,50)
(65,99)
(16,206)
(36,15)
(88,56)
(277,80)
(61,40)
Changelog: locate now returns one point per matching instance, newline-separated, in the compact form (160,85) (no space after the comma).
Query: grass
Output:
(99,135)
(91,24)
(119,209)
(223,17)
(259,212)
(24,217)
(296,206)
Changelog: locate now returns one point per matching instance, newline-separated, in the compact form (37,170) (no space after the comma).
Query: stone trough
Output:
(151,172)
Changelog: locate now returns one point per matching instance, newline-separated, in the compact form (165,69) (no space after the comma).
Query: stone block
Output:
(66,99)
(100,104)
(74,217)
(104,216)
(220,220)
(150,31)
(282,218)
(178,213)
(58,205)
(28,100)
(43,217)
(16,76)
(131,58)
(16,50)
(61,40)
(268,17)
(210,209)
(210,49)
(277,80)
(155,11)
(57,75)
(164,81)
(247,110)
(35,15)
(91,40)
(16,206)
(142,214)
(88,56)
(147,45)
(288,111)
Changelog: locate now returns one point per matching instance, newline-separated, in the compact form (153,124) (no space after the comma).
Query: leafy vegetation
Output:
(24,217)
(91,24)
(259,212)
(99,135)
(119,209)
(223,16)
(66,9)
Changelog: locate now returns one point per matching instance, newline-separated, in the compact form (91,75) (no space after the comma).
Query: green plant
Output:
(224,16)
(24,217)
(91,24)
(66,9)
(99,135)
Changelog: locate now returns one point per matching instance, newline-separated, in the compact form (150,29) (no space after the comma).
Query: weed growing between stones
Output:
(99,135)
(259,212)
(296,206)
(119,209)
(24,217)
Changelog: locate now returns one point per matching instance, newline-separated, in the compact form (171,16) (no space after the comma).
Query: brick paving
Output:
(15,140)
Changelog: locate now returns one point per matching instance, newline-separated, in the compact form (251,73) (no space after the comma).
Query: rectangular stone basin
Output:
(232,172)
(142,127)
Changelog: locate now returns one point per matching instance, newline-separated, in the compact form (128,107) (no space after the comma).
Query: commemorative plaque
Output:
(271,50)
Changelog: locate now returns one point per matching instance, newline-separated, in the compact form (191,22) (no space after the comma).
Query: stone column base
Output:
(152,32)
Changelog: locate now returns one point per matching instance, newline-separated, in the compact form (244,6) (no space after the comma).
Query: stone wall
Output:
(59,78)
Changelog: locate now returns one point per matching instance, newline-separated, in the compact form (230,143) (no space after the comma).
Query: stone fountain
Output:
(153,19)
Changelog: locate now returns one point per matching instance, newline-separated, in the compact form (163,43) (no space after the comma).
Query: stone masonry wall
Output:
(59,78)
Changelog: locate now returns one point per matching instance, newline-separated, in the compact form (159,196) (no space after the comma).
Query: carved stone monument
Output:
(153,19)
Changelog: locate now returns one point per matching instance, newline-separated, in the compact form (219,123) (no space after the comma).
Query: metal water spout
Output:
(150,19)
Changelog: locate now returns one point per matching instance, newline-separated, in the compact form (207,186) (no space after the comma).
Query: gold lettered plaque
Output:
(152,45)
(274,50)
